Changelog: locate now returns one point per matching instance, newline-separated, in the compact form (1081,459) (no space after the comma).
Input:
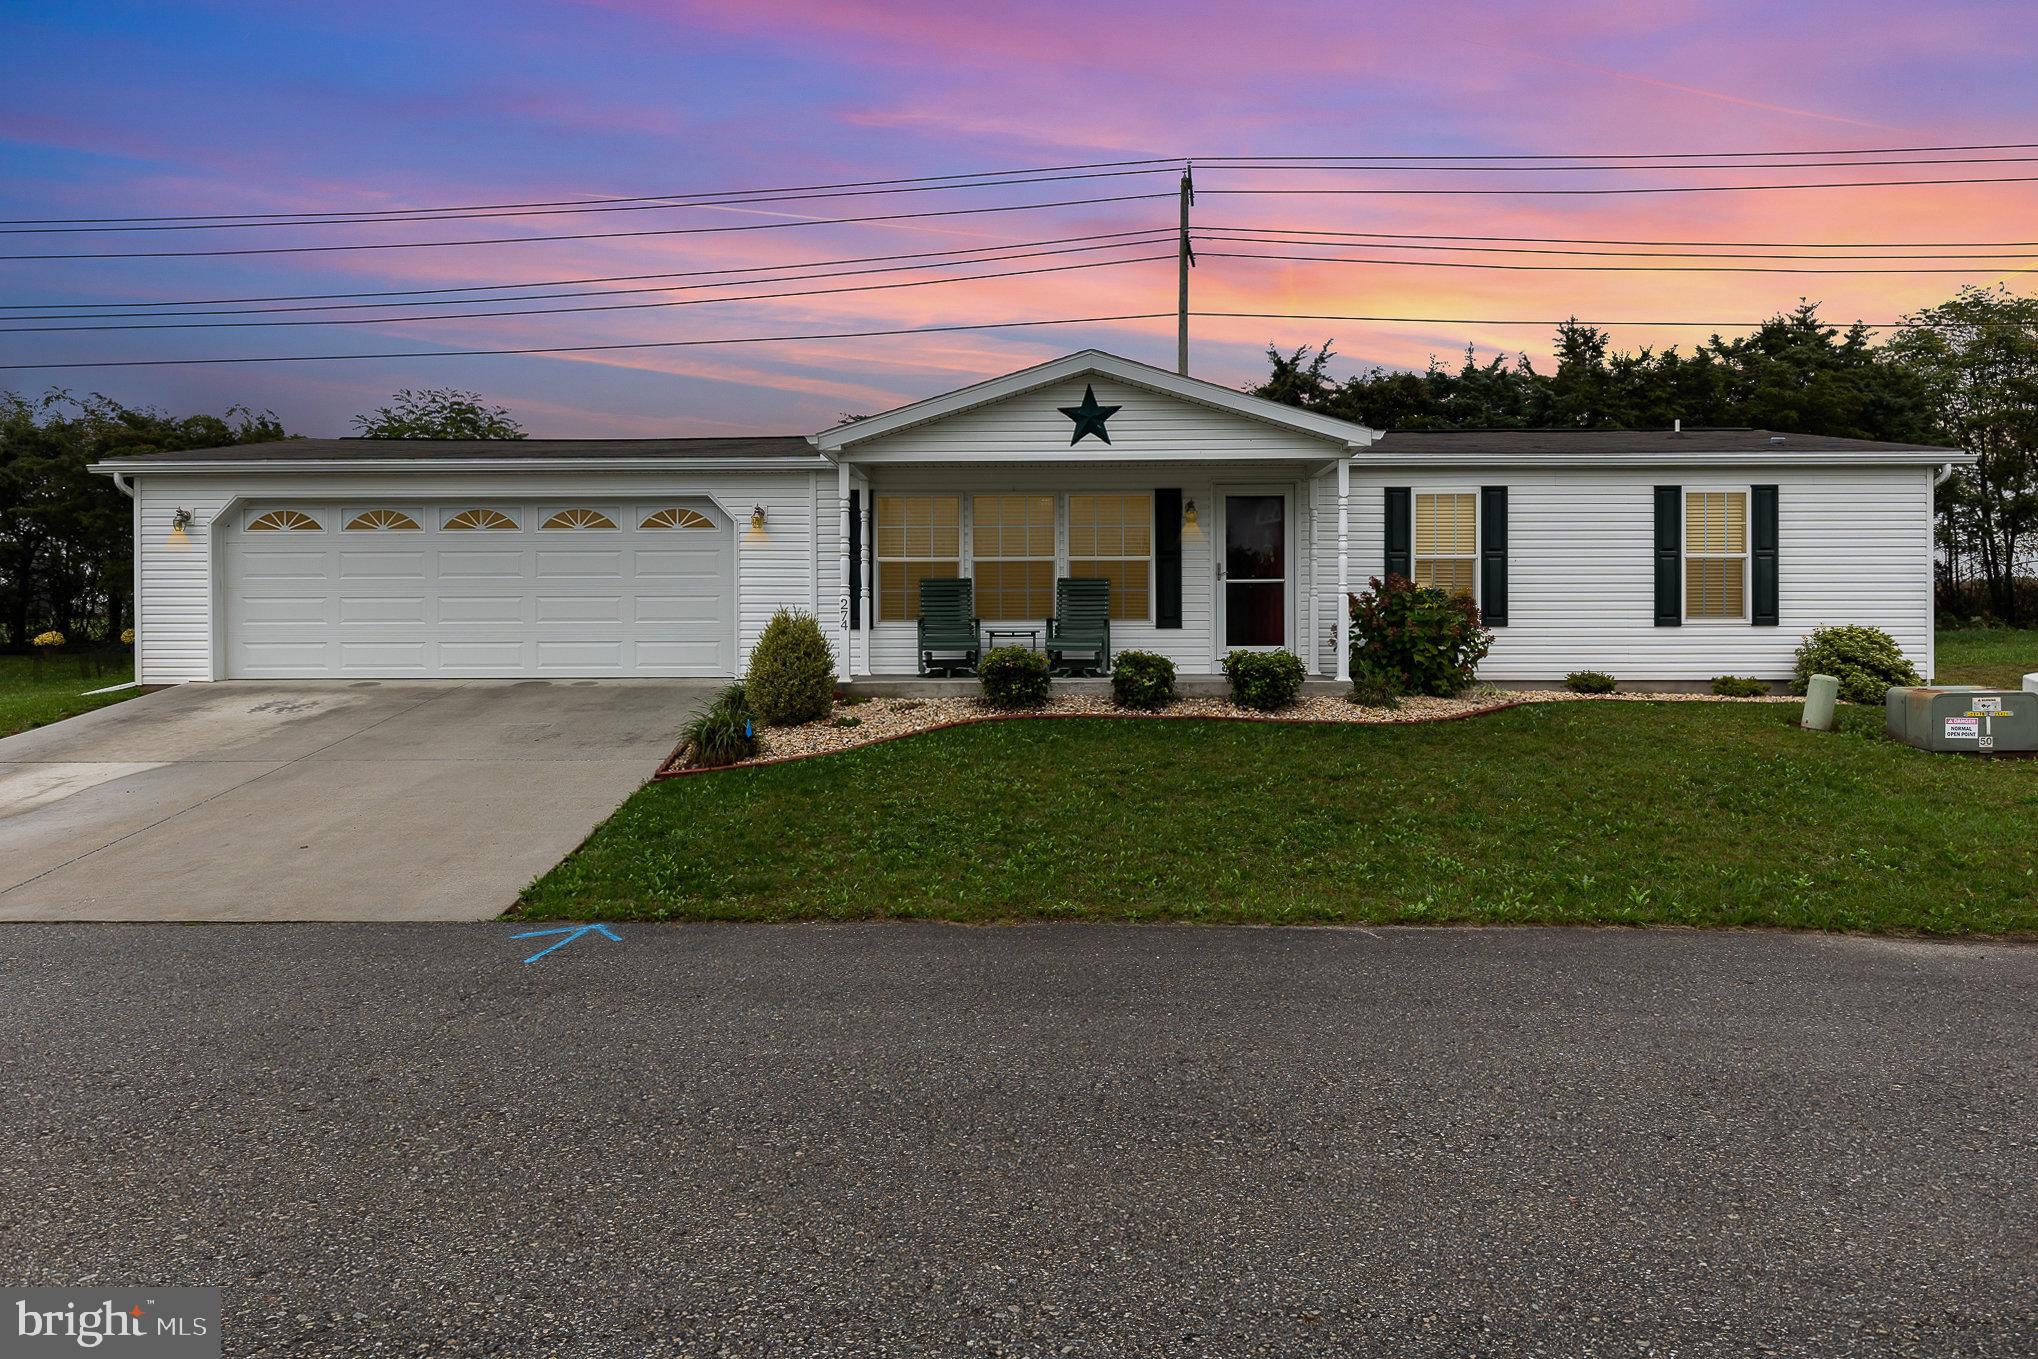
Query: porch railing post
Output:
(842,657)
(1340,609)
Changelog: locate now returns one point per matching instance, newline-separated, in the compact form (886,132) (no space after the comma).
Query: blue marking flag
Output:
(569,933)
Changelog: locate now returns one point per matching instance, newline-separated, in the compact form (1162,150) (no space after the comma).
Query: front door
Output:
(1255,570)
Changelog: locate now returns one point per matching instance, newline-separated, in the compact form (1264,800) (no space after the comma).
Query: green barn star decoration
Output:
(1090,416)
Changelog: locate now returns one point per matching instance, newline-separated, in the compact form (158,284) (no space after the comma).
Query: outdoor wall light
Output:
(1189,515)
(757,518)
(180,521)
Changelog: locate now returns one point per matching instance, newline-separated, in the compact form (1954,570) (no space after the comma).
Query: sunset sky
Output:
(125,110)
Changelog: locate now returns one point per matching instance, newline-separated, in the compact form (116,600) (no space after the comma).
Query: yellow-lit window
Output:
(1447,540)
(1716,554)
(1111,536)
(919,537)
(1012,554)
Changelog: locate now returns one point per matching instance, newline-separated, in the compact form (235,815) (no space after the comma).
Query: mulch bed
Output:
(869,721)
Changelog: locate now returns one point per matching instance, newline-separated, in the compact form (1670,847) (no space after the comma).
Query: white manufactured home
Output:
(1221,520)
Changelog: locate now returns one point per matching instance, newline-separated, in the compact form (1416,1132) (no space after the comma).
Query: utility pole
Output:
(1184,258)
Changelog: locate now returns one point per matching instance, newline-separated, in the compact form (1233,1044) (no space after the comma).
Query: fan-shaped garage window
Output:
(677,519)
(392,521)
(579,519)
(283,521)
(480,520)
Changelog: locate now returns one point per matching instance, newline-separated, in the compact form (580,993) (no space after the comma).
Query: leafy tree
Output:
(66,541)
(1977,356)
(438,413)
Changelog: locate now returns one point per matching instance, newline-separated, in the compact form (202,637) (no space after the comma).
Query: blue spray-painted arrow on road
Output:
(571,933)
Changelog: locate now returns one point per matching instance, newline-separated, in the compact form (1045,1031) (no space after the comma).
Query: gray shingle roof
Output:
(1559,443)
(324,450)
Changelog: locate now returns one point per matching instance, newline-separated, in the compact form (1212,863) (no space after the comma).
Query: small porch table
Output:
(1032,636)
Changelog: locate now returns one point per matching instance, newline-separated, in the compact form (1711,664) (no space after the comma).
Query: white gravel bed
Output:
(877,719)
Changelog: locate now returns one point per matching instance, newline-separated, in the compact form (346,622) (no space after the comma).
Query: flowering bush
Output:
(48,641)
(1416,640)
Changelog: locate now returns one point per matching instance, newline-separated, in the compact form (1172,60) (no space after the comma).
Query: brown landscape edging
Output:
(672,769)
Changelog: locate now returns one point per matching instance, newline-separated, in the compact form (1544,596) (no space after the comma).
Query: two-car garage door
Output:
(479,589)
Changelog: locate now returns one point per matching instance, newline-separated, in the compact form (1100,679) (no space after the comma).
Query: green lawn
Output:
(1996,657)
(34,693)
(1628,813)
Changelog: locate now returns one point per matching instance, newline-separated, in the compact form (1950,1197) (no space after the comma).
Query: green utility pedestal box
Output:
(1963,719)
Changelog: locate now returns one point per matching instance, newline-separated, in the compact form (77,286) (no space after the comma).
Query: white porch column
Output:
(869,567)
(842,657)
(1341,607)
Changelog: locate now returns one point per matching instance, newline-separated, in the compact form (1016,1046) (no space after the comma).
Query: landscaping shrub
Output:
(1419,641)
(1866,661)
(1590,682)
(1373,687)
(1013,677)
(1263,680)
(722,735)
(1739,686)
(792,672)
(1143,680)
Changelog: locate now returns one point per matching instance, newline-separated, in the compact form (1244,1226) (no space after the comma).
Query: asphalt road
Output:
(1056,1140)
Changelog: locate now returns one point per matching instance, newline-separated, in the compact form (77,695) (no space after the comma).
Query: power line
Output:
(365,220)
(1596,240)
(562,311)
(1148,238)
(1650,189)
(1520,321)
(600,235)
(1215,162)
(1204,235)
(1635,155)
(593,348)
(702,194)
(1461,168)
(1515,249)
(610,278)
(1597,268)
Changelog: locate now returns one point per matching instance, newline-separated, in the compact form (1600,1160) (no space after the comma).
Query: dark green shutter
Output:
(1669,556)
(856,559)
(1765,554)
(1398,562)
(1167,558)
(1493,555)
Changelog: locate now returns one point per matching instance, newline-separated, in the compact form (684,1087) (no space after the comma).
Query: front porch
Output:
(935,686)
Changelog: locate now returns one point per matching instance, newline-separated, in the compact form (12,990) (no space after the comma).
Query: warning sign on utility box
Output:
(1963,728)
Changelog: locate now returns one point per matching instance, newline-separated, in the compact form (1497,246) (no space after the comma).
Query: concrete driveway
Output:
(369,800)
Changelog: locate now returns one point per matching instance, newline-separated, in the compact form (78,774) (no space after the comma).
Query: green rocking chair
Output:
(951,638)
(1079,634)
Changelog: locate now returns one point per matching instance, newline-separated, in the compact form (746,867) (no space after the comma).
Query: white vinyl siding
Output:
(1853,548)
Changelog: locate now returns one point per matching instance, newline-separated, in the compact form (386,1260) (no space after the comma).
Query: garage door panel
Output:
(373,565)
(626,601)
(305,563)
(555,565)
(504,608)
(467,564)
(383,658)
(317,609)
(481,658)
(675,609)
(580,609)
(382,608)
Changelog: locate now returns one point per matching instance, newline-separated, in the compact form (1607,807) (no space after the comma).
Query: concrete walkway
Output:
(368,800)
